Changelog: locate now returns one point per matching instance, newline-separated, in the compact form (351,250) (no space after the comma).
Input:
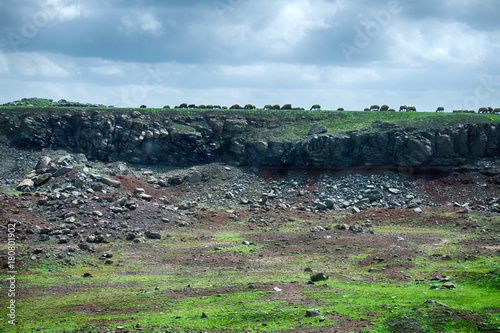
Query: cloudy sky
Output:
(337,53)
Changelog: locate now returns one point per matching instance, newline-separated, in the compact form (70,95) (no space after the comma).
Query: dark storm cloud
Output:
(339,51)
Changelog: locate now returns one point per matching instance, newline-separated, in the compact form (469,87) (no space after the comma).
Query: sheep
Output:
(316,107)
(236,107)
(374,107)
(440,109)
(286,107)
(166,107)
(403,108)
(366,109)
(384,107)
(411,108)
(340,109)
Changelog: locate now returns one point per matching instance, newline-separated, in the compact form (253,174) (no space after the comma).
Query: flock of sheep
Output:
(375,107)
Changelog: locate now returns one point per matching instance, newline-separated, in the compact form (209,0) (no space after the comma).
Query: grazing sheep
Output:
(411,108)
(496,110)
(384,107)
(224,107)
(276,107)
(374,107)
(166,107)
(201,106)
(286,107)
(268,107)
(210,106)
(316,107)
(366,109)
(392,110)
(250,107)
(143,106)
(440,109)
(403,108)
(191,106)
(217,106)
(236,107)
(340,109)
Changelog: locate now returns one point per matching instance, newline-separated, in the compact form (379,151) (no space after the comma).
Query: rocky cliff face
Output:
(183,139)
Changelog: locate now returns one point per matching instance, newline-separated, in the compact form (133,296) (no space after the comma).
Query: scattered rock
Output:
(430,301)
(317,129)
(448,285)
(152,235)
(26,185)
(319,277)
(111,182)
(313,312)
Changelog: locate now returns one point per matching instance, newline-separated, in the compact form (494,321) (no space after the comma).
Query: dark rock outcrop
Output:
(180,139)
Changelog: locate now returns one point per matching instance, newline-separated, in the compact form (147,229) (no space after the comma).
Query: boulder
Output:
(317,129)
(42,179)
(111,182)
(26,185)
(313,312)
(319,277)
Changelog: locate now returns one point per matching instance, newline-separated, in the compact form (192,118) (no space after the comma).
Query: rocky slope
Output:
(183,139)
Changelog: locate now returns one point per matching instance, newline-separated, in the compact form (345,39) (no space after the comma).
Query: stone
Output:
(313,312)
(195,177)
(42,179)
(138,191)
(448,285)
(319,277)
(394,191)
(435,286)
(318,228)
(430,301)
(43,164)
(63,240)
(177,180)
(152,235)
(204,315)
(26,185)
(111,182)
(146,197)
(130,236)
(62,171)
(87,275)
(107,254)
(317,129)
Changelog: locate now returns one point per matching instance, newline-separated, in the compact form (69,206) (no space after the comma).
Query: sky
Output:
(336,53)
